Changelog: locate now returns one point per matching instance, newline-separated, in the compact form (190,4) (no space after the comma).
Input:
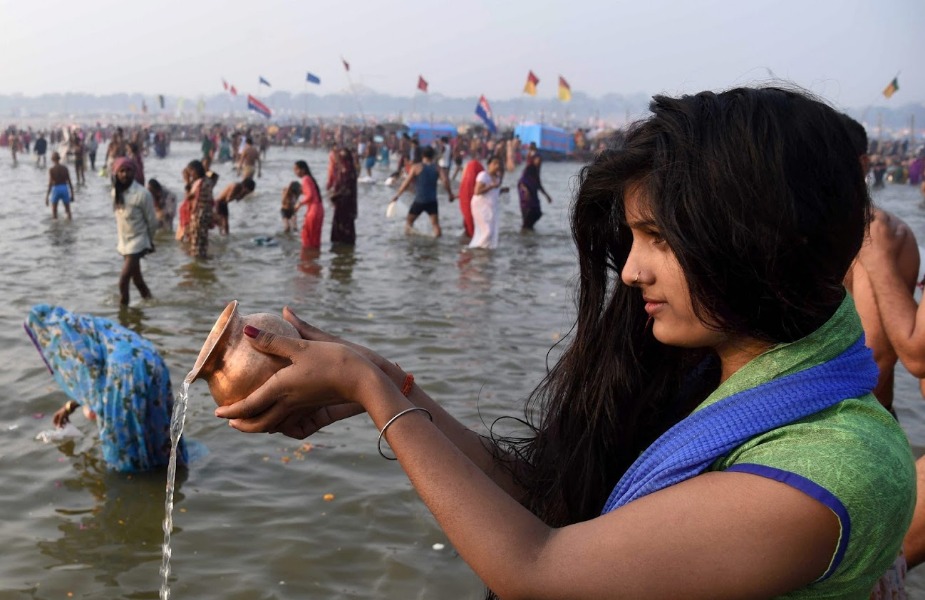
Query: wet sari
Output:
(117,374)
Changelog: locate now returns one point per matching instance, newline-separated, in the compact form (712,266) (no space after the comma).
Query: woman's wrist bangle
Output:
(70,406)
(392,420)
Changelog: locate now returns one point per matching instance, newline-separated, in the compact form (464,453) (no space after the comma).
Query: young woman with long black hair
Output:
(709,431)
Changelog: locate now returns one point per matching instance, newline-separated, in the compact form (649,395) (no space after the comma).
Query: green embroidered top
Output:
(852,457)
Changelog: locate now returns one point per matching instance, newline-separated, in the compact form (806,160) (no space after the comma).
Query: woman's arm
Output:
(479,449)
(718,535)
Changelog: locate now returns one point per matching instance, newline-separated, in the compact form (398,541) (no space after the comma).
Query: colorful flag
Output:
(346,64)
(180,102)
(225,84)
(258,106)
(160,99)
(200,106)
(234,92)
(422,84)
(264,82)
(892,88)
(530,86)
(312,78)
(565,91)
(483,110)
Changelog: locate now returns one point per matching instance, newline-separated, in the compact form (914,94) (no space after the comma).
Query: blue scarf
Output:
(693,444)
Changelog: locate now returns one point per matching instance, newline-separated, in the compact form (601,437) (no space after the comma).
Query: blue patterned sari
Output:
(119,375)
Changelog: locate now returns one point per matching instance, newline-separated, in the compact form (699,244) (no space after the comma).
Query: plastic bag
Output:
(393,209)
(58,434)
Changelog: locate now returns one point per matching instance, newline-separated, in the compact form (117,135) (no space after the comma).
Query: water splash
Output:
(177,419)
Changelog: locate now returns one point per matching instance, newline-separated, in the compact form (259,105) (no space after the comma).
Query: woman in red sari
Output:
(466,191)
(311,199)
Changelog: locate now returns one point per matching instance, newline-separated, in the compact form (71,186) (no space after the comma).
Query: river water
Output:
(253,518)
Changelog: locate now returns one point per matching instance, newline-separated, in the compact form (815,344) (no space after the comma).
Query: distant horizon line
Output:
(366,90)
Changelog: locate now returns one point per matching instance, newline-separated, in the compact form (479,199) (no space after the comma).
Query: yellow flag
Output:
(565,91)
(530,86)
(892,88)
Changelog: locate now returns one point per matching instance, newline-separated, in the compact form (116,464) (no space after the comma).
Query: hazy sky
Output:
(845,50)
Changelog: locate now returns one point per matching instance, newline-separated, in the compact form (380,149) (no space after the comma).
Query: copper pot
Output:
(231,366)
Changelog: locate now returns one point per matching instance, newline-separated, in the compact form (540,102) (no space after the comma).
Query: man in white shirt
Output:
(136,222)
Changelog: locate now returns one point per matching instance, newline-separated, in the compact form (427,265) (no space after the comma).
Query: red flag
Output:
(422,84)
(233,91)
(225,84)
(346,64)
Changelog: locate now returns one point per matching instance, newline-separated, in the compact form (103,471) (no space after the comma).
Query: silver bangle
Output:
(392,420)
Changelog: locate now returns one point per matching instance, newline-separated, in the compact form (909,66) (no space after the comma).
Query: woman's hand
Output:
(323,384)
(61,417)
(312,333)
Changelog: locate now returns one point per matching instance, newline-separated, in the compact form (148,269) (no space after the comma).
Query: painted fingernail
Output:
(251,331)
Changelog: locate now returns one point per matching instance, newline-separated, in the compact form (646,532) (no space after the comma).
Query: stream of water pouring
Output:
(176,430)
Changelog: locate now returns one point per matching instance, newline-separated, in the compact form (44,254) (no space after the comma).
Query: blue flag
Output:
(483,110)
(312,78)
(264,82)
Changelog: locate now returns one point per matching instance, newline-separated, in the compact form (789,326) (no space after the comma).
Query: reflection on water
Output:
(105,521)
(343,260)
(61,233)
(197,273)
(308,261)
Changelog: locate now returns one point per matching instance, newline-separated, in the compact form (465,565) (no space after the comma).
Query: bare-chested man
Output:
(59,187)
(903,324)
(77,149)
(250,160)
(233,191)
(882,280)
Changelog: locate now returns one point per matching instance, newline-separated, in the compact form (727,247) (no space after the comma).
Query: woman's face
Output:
(297,170)
(653,268)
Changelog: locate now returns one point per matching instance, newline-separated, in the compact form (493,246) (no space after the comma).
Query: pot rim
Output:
(217,334)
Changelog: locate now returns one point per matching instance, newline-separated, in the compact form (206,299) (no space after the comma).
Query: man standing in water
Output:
(424,175)
(136,222)
(59,187)
(40,147)
(250,160)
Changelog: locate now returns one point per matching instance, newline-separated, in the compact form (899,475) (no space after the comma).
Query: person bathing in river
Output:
(232,192)
(136,222)
(291,194)
(529,188)
(424,175)
(118,378)
(60,188)
(711,416)
(314,209)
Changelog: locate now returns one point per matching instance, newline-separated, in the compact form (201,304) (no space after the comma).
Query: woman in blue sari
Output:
(119,379)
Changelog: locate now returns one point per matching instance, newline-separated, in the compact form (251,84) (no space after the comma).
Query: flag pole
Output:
(353,90)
